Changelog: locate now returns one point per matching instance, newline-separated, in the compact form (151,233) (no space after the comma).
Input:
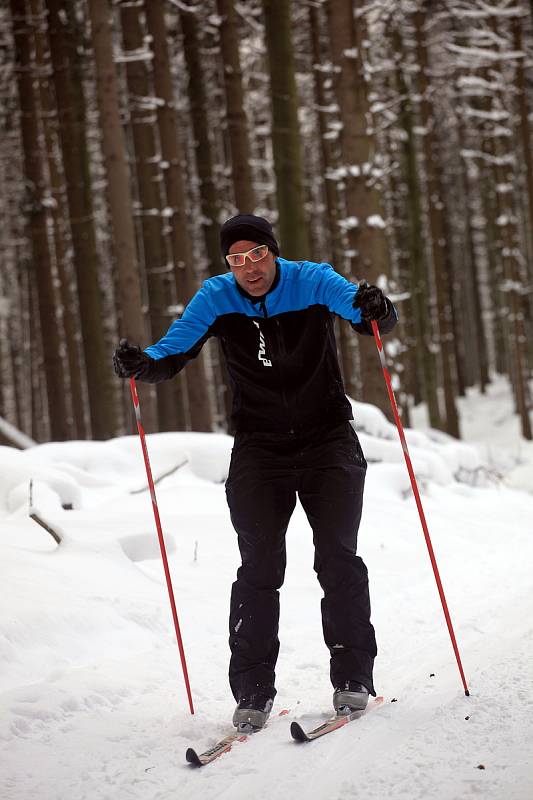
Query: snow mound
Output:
(55,487)
(207,455)
(63,473)
(436,456)
(59,472)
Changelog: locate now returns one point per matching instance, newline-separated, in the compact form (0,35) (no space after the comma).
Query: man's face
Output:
(255,277)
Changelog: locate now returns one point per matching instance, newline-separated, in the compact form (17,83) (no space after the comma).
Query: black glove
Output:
(372,302)
(129,360)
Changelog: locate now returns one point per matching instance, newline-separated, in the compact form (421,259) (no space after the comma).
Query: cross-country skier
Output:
(275,321)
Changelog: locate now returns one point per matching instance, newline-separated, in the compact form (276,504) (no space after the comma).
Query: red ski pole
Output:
(416,493)
(161,540)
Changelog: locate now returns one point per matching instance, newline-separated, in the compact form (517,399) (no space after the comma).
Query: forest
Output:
(390,138)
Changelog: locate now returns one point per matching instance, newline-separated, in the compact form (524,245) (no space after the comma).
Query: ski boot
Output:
(252,712)
(352,696)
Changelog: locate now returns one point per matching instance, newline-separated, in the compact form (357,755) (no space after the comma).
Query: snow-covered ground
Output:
(92,701)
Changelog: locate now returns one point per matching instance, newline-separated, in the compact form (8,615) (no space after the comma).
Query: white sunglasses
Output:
(255,254)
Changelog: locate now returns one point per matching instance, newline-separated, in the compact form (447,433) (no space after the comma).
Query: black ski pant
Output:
(326,468)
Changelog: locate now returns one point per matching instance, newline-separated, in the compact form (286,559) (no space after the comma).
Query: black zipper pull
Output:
(263,308)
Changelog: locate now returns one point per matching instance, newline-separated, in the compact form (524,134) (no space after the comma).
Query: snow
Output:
(92,700)
(375,221)
(140,54)
(348,223)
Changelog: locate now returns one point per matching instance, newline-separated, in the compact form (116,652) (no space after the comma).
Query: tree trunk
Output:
(364,220)
(8,385)
(494,266)
(329,152)
(60,228)
(474,283)
(405,333)
(204,166)
(159,275)
(512,288)
(202,142)
(286,146)
(132,323)
(437,227)
(40,430)
(65,50)
(15,310)
(241,172)
(525,132)
(418,273)
(194,377)
(35,205)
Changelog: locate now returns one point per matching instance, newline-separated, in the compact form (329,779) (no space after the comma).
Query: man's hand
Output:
(372,302)
(129,360)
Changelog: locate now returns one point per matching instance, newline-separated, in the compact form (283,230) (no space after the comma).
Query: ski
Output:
(222,746)
(299,735)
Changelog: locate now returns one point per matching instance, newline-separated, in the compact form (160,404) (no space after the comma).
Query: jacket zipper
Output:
(283,353)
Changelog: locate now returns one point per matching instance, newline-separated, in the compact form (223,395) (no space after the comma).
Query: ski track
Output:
(136,750)
(132,738)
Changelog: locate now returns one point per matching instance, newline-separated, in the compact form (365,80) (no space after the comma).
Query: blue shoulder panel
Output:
(301,284)
(307,283)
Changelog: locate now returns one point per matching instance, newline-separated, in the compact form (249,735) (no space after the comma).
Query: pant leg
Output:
(261,496)
(331,482)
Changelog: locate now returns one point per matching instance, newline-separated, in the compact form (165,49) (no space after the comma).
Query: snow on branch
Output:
(327,68)
(479,54)
(348,224)
(494,115)
(350,52)
(332,108)
(509,285)
(484,9)
(127,56)
(475,82)
(147,103)
(375,221)
(184,7)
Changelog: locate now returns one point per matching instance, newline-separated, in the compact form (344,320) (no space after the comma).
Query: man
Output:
(274,319)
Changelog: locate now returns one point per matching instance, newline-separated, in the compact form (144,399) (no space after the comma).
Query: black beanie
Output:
(248,228)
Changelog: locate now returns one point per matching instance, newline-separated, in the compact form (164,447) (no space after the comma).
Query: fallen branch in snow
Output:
(160,478)
(34,515)
(479,476)
(47,527)
(13,437)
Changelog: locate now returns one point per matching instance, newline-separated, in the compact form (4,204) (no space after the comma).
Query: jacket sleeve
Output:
(183,340)
(338,294)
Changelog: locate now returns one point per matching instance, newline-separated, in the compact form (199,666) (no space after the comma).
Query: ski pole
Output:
(140,428)
(416,493)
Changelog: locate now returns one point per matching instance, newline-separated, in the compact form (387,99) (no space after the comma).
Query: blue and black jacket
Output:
(280,348)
